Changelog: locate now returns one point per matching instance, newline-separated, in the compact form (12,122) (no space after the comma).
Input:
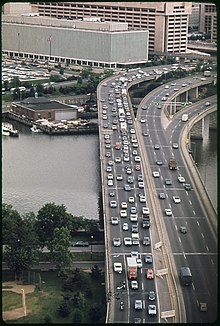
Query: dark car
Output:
(187,186)
(81,244)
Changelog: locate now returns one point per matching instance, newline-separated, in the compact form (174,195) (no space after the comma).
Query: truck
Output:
(172,164)
(132,268)
(207,73)
(185,117)
(185,276)
(117,145)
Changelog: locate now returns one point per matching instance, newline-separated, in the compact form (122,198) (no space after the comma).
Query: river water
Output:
(38,169)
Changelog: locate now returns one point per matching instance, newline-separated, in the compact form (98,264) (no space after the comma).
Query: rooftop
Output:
(43,103)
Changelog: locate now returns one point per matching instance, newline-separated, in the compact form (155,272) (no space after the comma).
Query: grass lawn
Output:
(11,300)
(45,303)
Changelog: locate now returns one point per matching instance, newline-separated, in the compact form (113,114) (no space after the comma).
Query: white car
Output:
(125,227)
(181,179)
(123,213)
(143,120)
(152,309)
(110,176)
(127,241)
(139,263)
(176,199)
(168,212)
(114,220)
(137,159)
(116,242)
(134,285)
(138,304)
(119,177)
(156,174)
(140,184)
(118,267)
(124,204)
(142,199)
(110,183)
(113,203)
(131,199)
(133,217)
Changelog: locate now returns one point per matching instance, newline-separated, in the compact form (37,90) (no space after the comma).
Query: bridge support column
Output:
(193,93)
(187,96)
(205,128)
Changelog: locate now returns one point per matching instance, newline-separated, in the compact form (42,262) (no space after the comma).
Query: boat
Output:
(13,132)
(35,129)
(5,131)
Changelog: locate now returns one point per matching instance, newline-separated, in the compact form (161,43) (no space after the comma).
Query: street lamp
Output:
(91,245)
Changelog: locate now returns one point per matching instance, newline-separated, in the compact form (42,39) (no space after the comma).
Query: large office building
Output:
(89,43)
(167,22)
(208,20)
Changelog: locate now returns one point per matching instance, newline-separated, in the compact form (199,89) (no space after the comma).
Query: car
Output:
(138,305)
(203,306)
(134,152)
(130,179)
(81,244)
(118,267)
(134,285)
(133,217)
(166,87)
(151,296)
(119,177)
(150,274)
(123,213)
(117,159)
(107,136)
(175,145)
(146,241)
(125,227)
(113,203)
(142,199)
(108,154)
(110,163)
(110,183)
(143,120)
(156,174)
(148,259)
(132,131)
(108,169)
(168,211)
(114,220)
(184,85)
(135,145)
(124,204)
(168,182)
(135,254)
(110,176)
(145,133)
(152,309)
(127,241)
(104,117)
(156,146)
(207,103)
(187,186)
(116,242)
(162,195)
(137,159)
(159,162)
(176,199)
(134,228)
(145,211)
(131,199)
(139,263)
(126,158)
(112,194)
(183,229)
(133,210)
(181,179)
(127,187)
(108,146)
(128,171)
(137,167)
(141,184)
(164,98)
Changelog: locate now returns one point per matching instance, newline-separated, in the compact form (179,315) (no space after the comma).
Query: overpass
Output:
(169,305)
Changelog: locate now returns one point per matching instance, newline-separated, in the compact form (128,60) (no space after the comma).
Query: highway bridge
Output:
(135,174)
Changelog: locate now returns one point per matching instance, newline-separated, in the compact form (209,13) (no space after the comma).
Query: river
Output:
(38,169)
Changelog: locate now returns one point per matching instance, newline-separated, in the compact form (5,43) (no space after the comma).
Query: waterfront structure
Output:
(35,108)
(88,43)
(167,22)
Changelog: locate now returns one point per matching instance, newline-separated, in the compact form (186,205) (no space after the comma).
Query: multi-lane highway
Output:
(124,142)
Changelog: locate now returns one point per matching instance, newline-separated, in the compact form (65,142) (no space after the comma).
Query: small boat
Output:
(35,129)
(13,132)
(5,131)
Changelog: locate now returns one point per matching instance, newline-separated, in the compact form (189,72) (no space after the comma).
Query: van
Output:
(135,238)
(118,268)
(145,211)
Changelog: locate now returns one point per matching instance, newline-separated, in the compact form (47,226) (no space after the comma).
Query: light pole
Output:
(91,245)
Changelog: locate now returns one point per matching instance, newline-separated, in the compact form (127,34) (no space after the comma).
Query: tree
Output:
(50,217)
(63,309)
(59,247)
(40,89)
(61,71)
(77,316)
(95,313)
(96,272)
(78,300)
(21,243)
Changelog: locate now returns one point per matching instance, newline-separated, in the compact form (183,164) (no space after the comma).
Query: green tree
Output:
(15,82)
(77,316)
(63,309)
(50,217)
(59,247)
(95,313)
(40,89)
(61,71)
(96,272)
(78,300)
(21,243)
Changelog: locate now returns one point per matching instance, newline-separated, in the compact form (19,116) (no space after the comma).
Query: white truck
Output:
(123,127)
(185,117)
(132,267)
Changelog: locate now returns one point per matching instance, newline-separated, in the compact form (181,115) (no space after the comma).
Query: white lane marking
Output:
(193,287)
(202,235)
(184,255)
(198,223)
(187,193)
(142,286)
(144,304)
(194,212)
(176,226)
(179,240)
(212,261)
(190,202)
(207,248)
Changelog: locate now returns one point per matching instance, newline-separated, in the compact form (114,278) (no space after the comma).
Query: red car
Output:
(137,167)
(150,273)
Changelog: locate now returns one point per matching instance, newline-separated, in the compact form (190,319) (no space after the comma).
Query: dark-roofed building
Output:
(34,108)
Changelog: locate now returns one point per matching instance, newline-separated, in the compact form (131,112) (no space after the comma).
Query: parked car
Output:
(81,244)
